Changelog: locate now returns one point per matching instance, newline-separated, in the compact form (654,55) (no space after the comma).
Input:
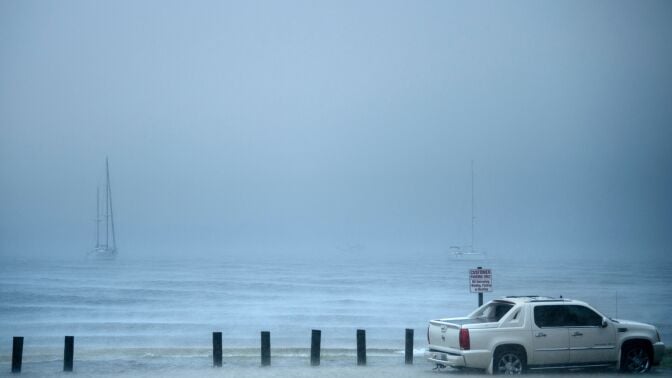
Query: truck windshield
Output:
(493,311)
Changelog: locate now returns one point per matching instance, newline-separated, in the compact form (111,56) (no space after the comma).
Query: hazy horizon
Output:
(337,128)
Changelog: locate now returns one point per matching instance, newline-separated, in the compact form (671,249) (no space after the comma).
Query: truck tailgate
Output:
(444,333)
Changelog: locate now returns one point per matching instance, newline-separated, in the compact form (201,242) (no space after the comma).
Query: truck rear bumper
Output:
(446,359)
(476,359)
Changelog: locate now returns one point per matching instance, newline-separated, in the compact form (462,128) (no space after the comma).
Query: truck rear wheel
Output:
(508,361)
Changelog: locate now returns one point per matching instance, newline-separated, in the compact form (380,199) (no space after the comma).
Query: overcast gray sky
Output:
(281,127)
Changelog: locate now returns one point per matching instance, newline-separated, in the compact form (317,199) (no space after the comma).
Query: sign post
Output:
(480,281)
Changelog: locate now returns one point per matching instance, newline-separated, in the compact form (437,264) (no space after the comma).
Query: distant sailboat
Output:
(106,248)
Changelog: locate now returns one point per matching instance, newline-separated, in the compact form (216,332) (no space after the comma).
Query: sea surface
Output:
(134,316)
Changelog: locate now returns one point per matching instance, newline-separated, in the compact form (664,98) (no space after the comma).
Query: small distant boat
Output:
(466,252)
(106,248)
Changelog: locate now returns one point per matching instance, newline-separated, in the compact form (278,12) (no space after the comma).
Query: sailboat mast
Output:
(107,208)
(473,218)
(109,195)
(97,216)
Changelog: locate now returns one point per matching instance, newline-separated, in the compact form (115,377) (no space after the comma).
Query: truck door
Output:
(550,339)
(589,342)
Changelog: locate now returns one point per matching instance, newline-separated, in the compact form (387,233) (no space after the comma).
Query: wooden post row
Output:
(315,347)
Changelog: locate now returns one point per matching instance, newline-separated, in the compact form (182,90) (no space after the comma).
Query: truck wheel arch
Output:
(636,340)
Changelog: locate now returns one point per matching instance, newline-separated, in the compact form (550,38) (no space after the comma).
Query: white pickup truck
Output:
(513,334)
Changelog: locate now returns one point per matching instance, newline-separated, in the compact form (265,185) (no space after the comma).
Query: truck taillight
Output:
(465,343)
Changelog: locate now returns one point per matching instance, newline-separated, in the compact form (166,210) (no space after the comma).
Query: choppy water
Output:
(144,315)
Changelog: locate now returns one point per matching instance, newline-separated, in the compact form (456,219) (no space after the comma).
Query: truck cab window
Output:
(550,316)
(580,316)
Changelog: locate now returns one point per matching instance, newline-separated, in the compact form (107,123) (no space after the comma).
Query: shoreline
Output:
(335,363)
(380,371)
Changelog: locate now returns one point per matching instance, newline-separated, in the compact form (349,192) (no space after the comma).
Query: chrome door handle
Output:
(577,333)
(540,334)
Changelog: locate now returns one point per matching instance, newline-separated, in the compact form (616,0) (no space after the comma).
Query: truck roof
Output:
(534,298)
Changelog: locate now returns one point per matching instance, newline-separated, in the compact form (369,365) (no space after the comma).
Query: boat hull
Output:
(103,254)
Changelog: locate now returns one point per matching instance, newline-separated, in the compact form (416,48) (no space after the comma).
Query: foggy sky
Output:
(337,127)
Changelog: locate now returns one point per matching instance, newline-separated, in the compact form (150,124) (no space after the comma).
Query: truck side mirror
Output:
(604,323)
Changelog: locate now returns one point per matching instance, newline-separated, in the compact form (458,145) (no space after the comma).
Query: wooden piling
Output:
(315,341)
(265,348)
(217,349)
(409,347)
(361,347)
(68,353)
(17,354)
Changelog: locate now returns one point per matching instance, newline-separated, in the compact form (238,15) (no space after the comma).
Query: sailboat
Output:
(106,247)
(469,251)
